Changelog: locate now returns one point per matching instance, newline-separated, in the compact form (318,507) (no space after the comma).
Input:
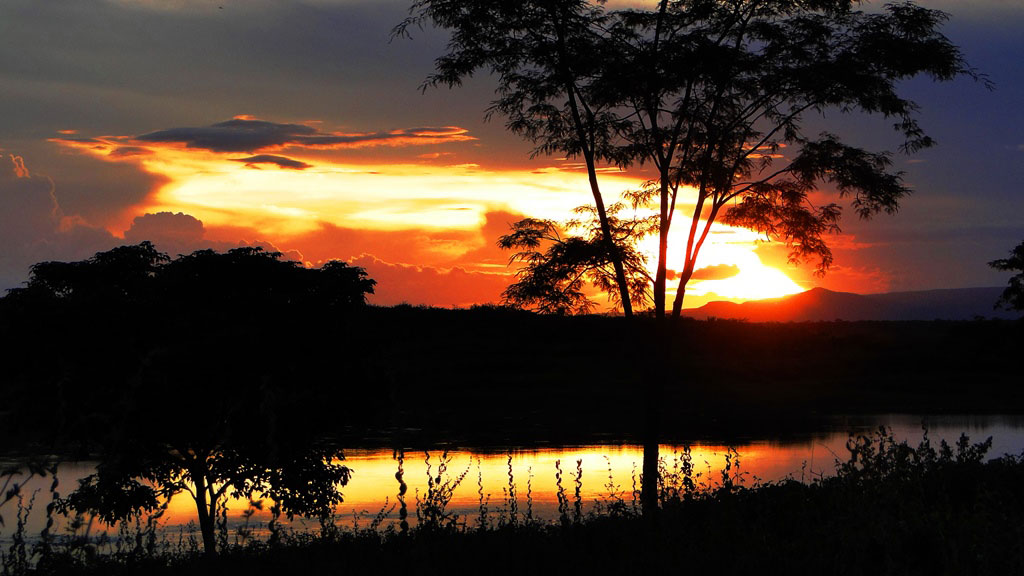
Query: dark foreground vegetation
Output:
(890,509)
(103,344)
(241,374)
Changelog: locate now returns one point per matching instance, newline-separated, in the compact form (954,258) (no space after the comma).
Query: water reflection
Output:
(517,483)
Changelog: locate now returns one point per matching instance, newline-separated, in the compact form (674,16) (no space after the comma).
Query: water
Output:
(526,480)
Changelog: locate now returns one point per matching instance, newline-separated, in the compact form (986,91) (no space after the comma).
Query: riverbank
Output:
(890,509)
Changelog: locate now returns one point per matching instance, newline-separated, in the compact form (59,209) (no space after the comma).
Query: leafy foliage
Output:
(166,377)
(1013,296)
(715,96)
(556,268)
(545,55)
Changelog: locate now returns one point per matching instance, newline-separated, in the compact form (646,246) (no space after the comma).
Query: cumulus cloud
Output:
(398,283)
(280,161)
(27,202)
(245,134)
(34,228)
(465,248)
(179,233)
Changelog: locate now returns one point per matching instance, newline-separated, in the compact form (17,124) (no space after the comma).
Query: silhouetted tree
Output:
(117,275)
(545,55)
(226,430)
(179,374)
(1013,297)
(556,268)
(714,94)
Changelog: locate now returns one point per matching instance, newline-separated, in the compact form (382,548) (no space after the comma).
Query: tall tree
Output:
(546,55)
(716,95)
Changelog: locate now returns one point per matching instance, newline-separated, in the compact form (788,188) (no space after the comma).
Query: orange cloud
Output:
(398,283)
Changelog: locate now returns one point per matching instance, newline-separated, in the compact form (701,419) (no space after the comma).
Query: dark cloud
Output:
(166,228)
(27,202)
(130,151)
(252,135)
(34,228)
(102,192)
(280,161)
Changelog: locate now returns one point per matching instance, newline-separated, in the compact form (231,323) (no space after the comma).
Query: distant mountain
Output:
(819,304)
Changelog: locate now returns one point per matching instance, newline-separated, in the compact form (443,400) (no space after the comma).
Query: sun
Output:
(728,246)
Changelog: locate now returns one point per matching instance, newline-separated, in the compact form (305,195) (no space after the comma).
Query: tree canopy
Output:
(715,96)
(180,376)
(559,258)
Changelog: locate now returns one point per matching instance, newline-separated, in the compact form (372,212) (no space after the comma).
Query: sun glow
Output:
(295,191)
(725,246)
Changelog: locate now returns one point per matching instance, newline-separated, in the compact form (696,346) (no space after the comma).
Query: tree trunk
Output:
(649,481)
(609,241)
(590,158)
(653,392)
(206,520)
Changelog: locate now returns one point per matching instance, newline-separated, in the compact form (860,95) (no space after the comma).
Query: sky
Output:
(299,126)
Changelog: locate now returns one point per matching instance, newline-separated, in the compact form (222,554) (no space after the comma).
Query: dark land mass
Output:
(412,376)
(263,366)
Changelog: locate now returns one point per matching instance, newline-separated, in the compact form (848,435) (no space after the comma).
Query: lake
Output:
(521,482)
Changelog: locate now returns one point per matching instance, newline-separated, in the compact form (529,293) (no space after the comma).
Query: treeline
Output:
(210,330)
(181,337)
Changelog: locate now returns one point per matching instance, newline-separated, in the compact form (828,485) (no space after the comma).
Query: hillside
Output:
(820,304)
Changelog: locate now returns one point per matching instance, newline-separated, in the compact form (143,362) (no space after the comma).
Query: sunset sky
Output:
(298,126)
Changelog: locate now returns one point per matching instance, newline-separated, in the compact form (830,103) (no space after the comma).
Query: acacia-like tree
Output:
(716,96)
(545,55)
(1013,297)
(213,424)
(558,259)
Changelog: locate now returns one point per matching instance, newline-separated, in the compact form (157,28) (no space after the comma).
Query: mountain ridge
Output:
(821,304)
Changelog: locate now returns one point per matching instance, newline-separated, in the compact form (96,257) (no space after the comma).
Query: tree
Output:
(552,281)
(106,277)
(714,95)
(229,431)
(545,54)
(1013,297)
(179,374)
